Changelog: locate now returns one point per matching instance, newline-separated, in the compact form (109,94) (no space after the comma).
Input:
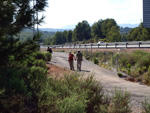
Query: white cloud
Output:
(67,12)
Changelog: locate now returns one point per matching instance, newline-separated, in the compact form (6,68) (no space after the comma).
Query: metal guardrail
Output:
(139,44)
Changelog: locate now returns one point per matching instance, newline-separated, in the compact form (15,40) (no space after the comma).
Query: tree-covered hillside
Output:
(26,34)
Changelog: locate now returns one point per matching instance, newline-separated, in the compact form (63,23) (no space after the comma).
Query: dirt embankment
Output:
(57,71)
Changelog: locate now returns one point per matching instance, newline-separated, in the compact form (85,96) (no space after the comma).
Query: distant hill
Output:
(129,25)
(52,29)
(121,25)
(71,27)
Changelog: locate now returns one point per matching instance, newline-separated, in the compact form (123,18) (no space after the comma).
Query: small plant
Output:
(87,57)
(40,63)
(48,56)
(128,67)
(95,60)
(72,104)
(120,74)
(147,77)
(120,102)
(39,55)
(60,51)
(146,106)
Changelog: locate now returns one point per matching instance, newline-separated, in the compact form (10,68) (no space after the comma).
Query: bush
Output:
(40,63)
(120,102)
(95,60)
(72,104)
(13,80)
(12,104)
(37,75)
(146,106)
(120,74)
(48,56)
(31,60)
(39,55)
(146,78)
(144,61)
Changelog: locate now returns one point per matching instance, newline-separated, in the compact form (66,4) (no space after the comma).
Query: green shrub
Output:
(120,102)
(146,78)
(40,63)
(138,54)
(36,78)
(37,72)
(70,94)
(62,51)
(48,56)
(13,104)
(128,68)
(95,60)
(134,72)
(13,80)
(146,106)
(30,61)
(120,74)
(144,61)
(72,104)
(39,55)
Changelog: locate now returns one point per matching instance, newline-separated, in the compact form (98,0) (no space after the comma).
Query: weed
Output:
(48,56)
(120,74)
(147,77)
(146,106)
(95,60)
(120,102)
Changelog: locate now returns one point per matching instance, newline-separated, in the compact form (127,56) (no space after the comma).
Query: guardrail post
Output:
(76,47)
(117,62)
(70,47)
(115,45)
(79,47)
(139,44)
(112,58)
(106,45)
(98,48)
(126,45)
(91,52)
(86,50)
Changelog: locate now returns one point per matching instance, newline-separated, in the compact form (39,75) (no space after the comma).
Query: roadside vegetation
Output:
(135,64)
(30,90)
(26,34)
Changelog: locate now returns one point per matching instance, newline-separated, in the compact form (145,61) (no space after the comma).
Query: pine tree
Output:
(16,15)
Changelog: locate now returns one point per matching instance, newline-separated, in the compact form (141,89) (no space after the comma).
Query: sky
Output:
(61,13)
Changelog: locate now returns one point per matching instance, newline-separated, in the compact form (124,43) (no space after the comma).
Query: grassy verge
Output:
(135,64)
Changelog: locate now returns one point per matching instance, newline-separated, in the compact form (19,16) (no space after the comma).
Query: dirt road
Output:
(108,78)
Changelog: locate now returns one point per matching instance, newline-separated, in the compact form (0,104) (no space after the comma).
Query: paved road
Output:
(108,78)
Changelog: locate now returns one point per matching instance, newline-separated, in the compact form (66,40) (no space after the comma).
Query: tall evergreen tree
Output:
(69,36)
(96,30)
(139,34)
(17,15)
(82,31)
